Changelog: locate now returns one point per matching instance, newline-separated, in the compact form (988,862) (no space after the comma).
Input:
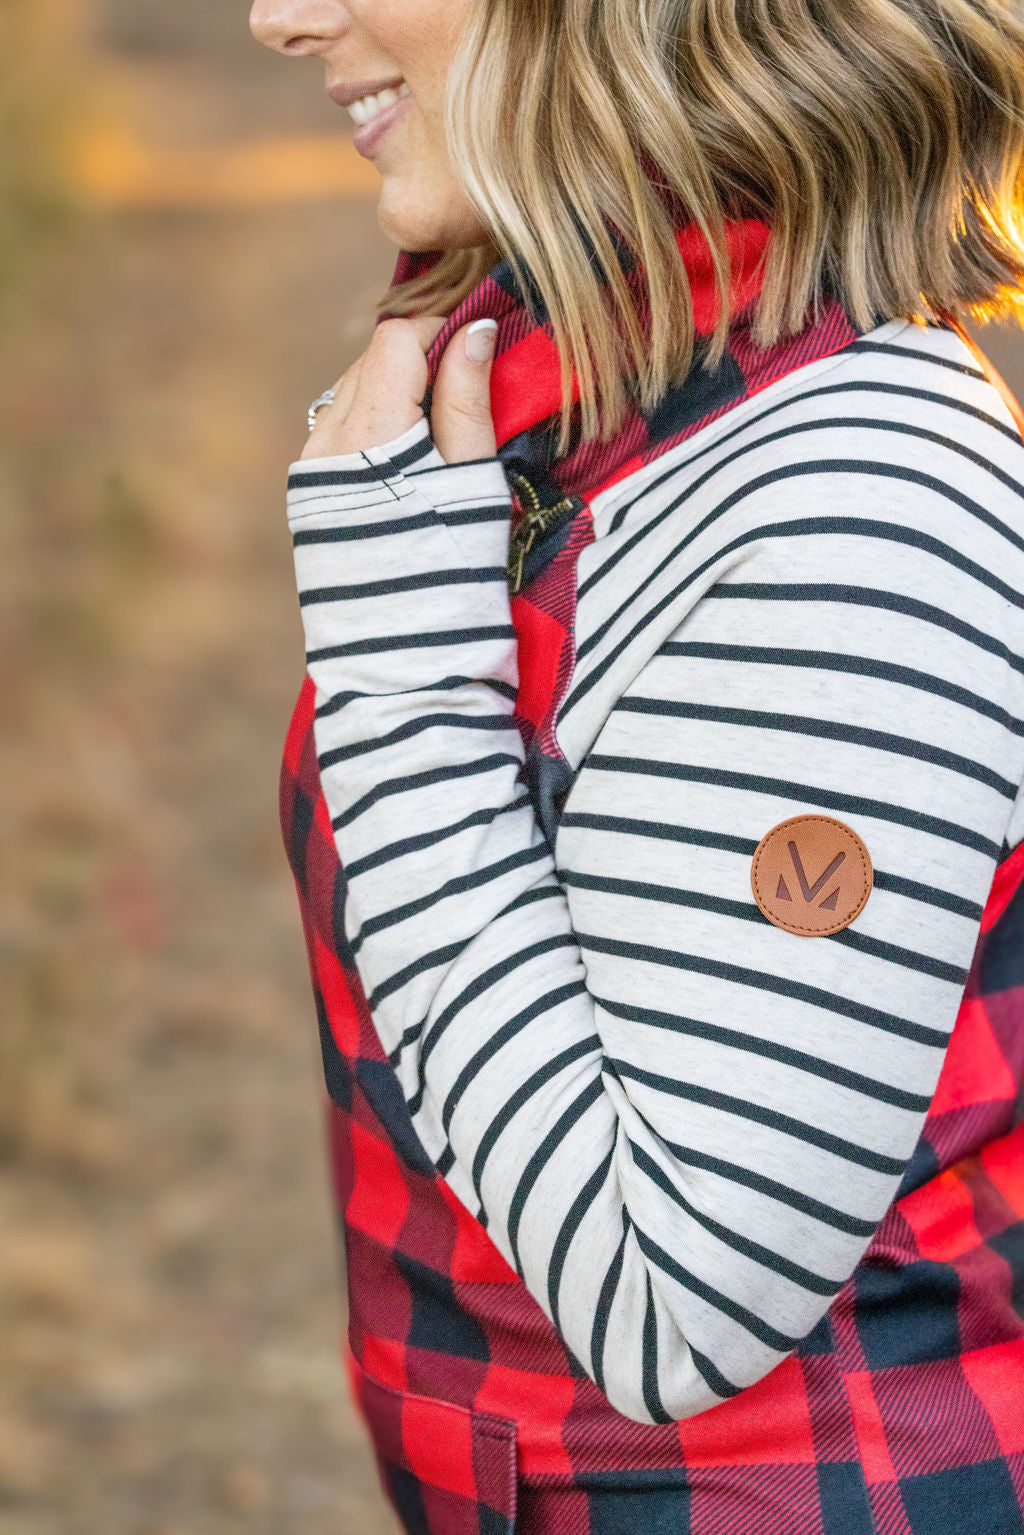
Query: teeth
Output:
(369,106)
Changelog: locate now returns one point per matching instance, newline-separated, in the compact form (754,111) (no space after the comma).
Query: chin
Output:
(424,228)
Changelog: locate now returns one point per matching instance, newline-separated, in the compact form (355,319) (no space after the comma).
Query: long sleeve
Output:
(679,1122)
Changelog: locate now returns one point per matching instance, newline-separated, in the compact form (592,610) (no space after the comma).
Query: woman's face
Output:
(362,42)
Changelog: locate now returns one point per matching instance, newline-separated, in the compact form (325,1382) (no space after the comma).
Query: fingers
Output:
(461,417)
(345,388)
(426,328)
(379,397)
(392,380)
(330,419)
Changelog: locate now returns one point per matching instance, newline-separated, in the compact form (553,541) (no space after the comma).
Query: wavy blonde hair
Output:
(881,140)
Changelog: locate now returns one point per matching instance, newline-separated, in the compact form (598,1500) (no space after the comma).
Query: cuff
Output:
(413,448)
(394,478)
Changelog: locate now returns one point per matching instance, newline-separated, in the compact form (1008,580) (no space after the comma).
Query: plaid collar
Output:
(526,384)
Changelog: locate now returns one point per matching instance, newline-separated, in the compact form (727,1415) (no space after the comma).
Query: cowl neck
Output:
(526,381)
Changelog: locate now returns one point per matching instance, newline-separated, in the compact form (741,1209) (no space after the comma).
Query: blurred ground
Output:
(169,1316)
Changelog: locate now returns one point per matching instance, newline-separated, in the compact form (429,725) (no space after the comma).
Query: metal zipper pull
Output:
(534,523)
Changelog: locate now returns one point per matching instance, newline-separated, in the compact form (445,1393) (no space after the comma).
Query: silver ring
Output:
(327,398)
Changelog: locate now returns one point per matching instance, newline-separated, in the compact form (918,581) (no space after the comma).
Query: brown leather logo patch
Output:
(811,875)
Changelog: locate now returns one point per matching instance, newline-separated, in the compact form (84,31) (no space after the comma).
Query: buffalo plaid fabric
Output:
(903,1412)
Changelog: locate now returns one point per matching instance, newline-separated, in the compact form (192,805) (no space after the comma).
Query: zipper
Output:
(533,527)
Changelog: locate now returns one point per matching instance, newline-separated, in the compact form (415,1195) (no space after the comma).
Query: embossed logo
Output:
(811,875)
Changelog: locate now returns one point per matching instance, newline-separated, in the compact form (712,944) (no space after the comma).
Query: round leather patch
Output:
(811,875)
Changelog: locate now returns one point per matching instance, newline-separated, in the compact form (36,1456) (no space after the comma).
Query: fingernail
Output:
(480,340)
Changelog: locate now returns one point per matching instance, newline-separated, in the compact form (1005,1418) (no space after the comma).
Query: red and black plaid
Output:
(903,1412)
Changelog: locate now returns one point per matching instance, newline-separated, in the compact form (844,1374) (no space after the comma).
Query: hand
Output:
(378,398)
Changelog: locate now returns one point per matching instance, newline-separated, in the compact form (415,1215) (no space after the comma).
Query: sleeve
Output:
(680,1123)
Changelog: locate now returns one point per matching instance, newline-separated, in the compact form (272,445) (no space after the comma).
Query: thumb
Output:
(460,415)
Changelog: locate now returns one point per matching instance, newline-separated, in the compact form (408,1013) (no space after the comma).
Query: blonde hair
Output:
(881,140)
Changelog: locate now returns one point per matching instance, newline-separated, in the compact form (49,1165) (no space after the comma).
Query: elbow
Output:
(671,1346)
(665,1382)
(670,1405)
(653,1370)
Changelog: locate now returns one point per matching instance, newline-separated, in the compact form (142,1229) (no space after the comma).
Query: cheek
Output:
(419,36)
(417,33)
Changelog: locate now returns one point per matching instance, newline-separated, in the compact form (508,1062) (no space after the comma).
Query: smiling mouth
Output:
(363,109)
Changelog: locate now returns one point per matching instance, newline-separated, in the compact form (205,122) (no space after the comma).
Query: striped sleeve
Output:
(680,1123)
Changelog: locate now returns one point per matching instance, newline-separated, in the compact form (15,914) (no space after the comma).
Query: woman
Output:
(655,795)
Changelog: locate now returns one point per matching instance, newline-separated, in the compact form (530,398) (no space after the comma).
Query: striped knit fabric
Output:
(611,1148)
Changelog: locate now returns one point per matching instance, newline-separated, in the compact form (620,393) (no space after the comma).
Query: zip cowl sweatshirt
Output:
(680,1123)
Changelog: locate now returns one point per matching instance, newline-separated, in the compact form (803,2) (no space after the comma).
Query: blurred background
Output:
(188,253)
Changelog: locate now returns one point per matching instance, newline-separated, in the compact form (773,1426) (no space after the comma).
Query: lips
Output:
(368,135)
(344,95)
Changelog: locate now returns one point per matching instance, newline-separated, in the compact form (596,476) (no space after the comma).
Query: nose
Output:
(298,26)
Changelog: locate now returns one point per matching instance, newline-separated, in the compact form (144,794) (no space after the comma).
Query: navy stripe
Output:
(779,475)
(712,1375)
(867,597)
(510,1108)
(464,517)
(915,891)
(433,960)
(838,661)
(649,1360)
(402,461)
(748,911)
(450,720)
(788,789)
(754,1325)
(339,701)
(569,1117)
(459,884)
(304,537)
(498,1040)
(430,640)
(856,386)
(699,836)
(893,349)
(800,527)
(567,1230)
(694,836)
(423,580)
(463,463)
(499,971)
(431,1031)
(772,1119)
(823,729)
(602,1315)
(762,980)
(755,1044)
(784,1267)
(418,844)
(334,479)
(771,1188)
(410,781)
